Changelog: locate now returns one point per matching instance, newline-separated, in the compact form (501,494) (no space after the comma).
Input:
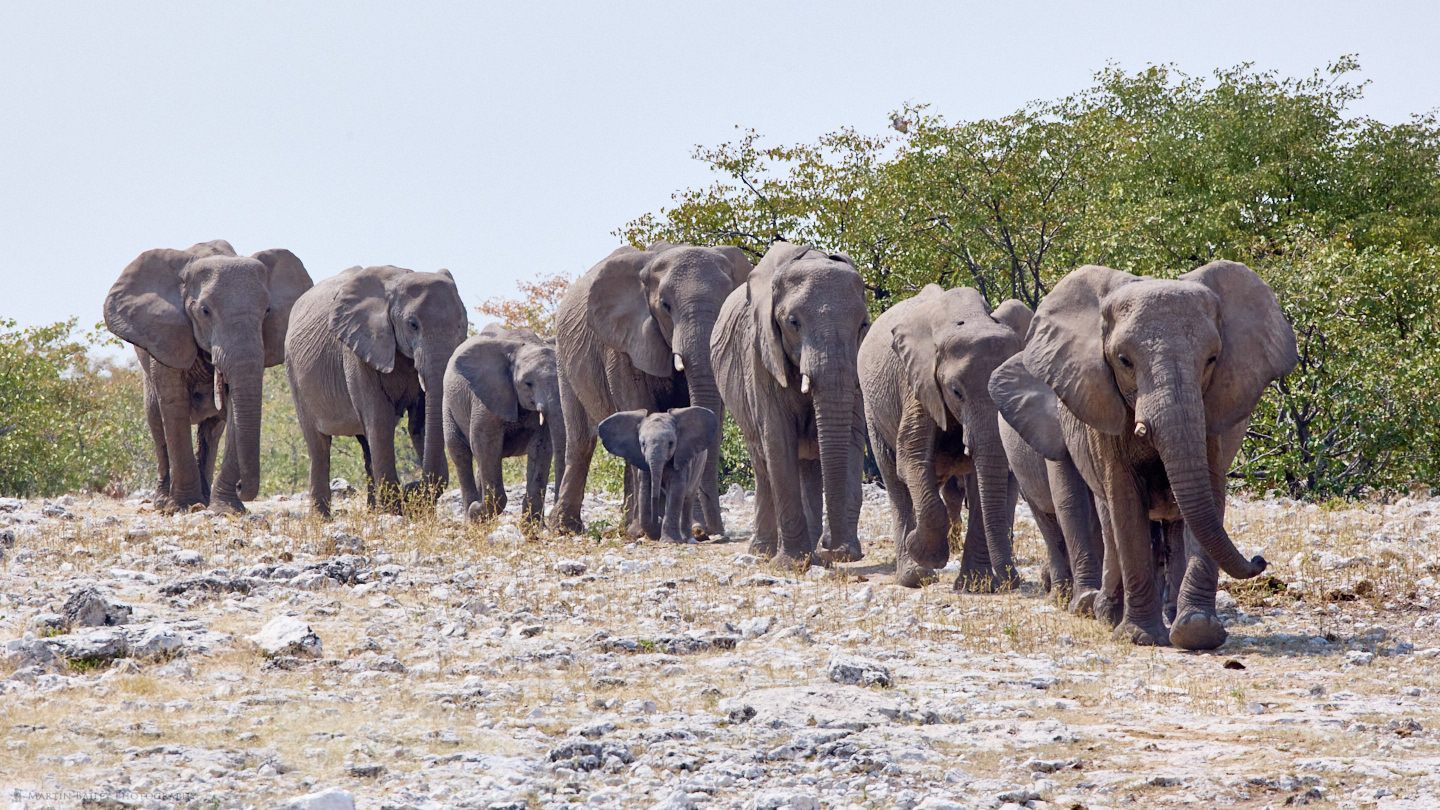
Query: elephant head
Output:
(810,317)
(182,305)
(384,312)
(950,343)
(1169,362)
(654,443)
(512,371)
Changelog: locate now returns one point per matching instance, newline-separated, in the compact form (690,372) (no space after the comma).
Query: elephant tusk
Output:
(804,383)
(679,362)
(542,419)
(1141,429)
(219,390)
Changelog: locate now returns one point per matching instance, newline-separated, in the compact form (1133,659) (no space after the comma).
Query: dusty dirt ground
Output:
(462,666)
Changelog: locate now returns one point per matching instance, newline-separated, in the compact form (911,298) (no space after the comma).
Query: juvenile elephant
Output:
(1061,503)
(925,370)
(634,333)
(668,448)
(205,324)
(1157,380)
(365,347)
(785,354)
(502,399)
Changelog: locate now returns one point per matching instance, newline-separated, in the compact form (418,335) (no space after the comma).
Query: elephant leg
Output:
(156,423)
(954,499)
(490,484)
(1197,626)
(224,493)
(1080,527)
(317,444)
(208,435)
(1057,564)
(1141,622)
(1173,569)
(901,507)
(537,477)
(174,398)
(378,443)
(580,440)
(927,546)
(782,453)
(976,573)
(677,497)
(457,447)
(812,497)
(765,539)
(1109,603)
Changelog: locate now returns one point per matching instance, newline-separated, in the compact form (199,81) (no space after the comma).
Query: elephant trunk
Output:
(834,384)
(1178,432)
(555,423)
(693,345)
(239,381)
(653,510)
(245,408)
(992,473)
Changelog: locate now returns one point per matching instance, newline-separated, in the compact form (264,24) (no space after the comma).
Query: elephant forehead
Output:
(234,275)
(657,425)
(833,285)
(1160,301)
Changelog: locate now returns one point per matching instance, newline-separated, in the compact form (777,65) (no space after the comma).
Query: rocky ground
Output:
(272,660)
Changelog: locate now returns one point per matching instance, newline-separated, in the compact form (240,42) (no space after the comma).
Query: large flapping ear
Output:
(620,433)
(288,280)
(762,290)
(147,308)
(739,264)
(485,363)
(1029,405)
(1257,344)
(1015,315)
(695,428)
(619,314)
(913,340)
(360,315)
(1066,348)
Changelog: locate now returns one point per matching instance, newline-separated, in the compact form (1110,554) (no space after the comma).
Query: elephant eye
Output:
(1125,361)
(414,324)
(956,392)
(959,323)
(204,310)
(665,305)
(793,321)
(1211,361)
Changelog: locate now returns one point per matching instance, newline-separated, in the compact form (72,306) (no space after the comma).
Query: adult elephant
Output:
(925,369)
(1061,503)
(364,347)
(1157,380)
(633,333)
(206,323)
(785,355)
(502,399)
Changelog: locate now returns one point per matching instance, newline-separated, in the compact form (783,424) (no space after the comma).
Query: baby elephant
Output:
(502,399)
(668,449)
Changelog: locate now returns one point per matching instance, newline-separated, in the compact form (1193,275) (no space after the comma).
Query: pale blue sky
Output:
(506,140)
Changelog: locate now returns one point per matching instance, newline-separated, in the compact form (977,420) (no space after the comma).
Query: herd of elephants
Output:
(1115,408)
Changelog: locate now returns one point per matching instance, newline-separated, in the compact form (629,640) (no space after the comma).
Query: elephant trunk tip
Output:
(1141,429)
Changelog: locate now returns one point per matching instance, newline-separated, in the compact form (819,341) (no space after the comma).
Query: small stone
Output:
(88,607)
(783,800)
(1359,658)
(852,669)
(328,799)
(364,770)
(639,706)
(756,627)
(1255,707)
(570,568)
(1224,601)
(287,635)
(863,596)
(189,557)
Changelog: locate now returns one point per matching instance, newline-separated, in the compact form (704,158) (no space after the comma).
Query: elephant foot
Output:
(1045,580)
(761,547)
(566,524)
(1083,603)
(798,562)
(1198,631)
(1169,613)
(1139,636)
(849,552)
(1107,609)
(910,575)
(976,581)
(223,507)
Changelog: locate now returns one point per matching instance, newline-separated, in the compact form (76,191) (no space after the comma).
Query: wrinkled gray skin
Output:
(1061,503)
(925,370)
(206,323)
(365,347)
(502,399)
(1157,380)
(633,333)
(668,450)
(785,354)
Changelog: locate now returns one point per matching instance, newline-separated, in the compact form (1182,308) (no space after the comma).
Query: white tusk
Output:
(804,383)
(219,390)
(1141,429)
(679,362)
(542,418)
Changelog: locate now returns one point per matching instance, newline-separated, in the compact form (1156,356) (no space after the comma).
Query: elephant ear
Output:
(360,316)
(913,340)
(1030,406)
(288,280)
(486,366)
(1015,315)
(619,314)
(761,293)
(620,433)
(147,308)
(1257,344)
(696,428)
(1066,348)
(739,264)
